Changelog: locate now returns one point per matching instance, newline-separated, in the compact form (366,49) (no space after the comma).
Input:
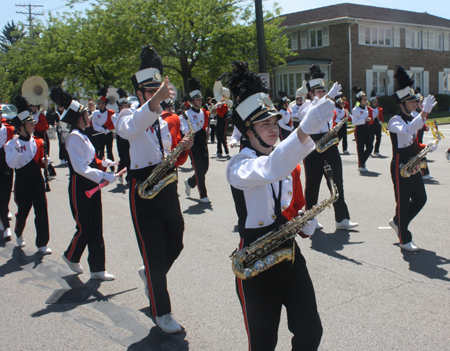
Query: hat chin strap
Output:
(256,135)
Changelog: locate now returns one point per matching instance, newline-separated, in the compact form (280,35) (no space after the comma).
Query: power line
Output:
(30,14)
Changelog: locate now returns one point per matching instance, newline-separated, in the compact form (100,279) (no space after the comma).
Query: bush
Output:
(389,106)
(443,102)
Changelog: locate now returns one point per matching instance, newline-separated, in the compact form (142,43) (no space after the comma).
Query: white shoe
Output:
(168,324)
(102,275)
(21,241)
(10,215)
(362,169)
(7,234)
(346,152)
(205,200)
(393,225)
(346,224)
(319,226)
(409,247)
(377,154)
(45,250)
(187,188)
(76,267)
(447,155)
(144,279)
(427,177)
(120,179)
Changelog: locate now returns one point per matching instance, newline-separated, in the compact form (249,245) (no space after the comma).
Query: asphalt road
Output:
(371,295)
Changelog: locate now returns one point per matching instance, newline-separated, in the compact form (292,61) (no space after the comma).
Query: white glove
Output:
(233,143)
(335,90)
(108,163)
(317,115)
(111,178)
(434,147)
(428,103)
(310,227)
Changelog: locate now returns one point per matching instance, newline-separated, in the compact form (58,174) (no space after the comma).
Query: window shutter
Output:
(362,34)
(407,38)
(431,40)
(441,82)
(397,37)
(294,41)
(304,40)
(369,81)
(426,83)
(390,87)
(325,37)
(425,39)
(446,42)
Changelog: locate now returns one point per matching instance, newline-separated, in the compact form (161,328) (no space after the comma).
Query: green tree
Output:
(11,33)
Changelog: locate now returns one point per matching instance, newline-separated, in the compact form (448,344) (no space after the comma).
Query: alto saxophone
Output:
(331,138)
(159,178)
(262,254)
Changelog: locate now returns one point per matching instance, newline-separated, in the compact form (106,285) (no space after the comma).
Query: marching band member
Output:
(341,113)
(410,194)
(314,161)
(362,119)
(425,172)
(266,188)
(103,124)
(199,151)
(285,122)
(375,127)
(25,153)
(85,174)
(6,177)
(123,145)
(212,119)
(158,222)
(300,97)
(220,110)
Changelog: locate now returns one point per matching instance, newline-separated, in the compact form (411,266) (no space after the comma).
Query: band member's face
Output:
(374,103)
(91,107)
(340,105)
(85,118)
(34,108)
(320,93)
(420,104)
(147,95)
(197,102)
(299,100)
(101,105)
(29,127)
(411,106)
(268,130)
(286,105)
(364,101)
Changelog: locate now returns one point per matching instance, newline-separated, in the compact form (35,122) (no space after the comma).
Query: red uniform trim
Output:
(206,113)
(380,114)
(9,129)
(173,121)
(334,118)
(74,202)
(40,151)
(242,296)
(222,110)
(144,252)
(41,125)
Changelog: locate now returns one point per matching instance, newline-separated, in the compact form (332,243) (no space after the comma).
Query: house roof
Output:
(347,10)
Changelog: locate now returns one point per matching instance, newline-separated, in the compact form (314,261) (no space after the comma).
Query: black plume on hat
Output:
(417,90)
(402,78)
(21,103)
(356,89)
(122,93)
(243,83)
(373,93)
(282,93)
(102,92)
(60,97)
(193,84)
(315,72)
(150,59)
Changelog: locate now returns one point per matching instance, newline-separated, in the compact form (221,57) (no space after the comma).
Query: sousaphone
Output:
(220,92)
(112,97)
(35,90)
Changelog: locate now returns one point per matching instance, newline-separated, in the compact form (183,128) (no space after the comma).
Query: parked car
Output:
(9,111)
(134,101)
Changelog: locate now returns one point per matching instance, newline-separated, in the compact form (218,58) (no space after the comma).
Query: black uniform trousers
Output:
(287,283)
(63,155)
(123,149)
(410,196)
(314,172)
(375,129)
(221,131)
(159,228)
(212,133)
(342,134)
(102,141)
(364,143)
(425,171)
(29,190)
(200,161)
(87,213)
(6,179)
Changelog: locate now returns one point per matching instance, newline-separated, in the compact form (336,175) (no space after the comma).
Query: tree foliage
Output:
(101,46)
(11,33)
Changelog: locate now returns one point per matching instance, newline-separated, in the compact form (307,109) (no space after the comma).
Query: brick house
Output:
(355,44)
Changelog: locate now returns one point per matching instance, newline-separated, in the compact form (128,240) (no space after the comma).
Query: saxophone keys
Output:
(259,265)
(248,272)
(270,260)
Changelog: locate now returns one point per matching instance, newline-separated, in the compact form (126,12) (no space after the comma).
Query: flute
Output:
(91,192)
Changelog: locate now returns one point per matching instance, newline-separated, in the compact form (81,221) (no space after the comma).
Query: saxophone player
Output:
(158,222)
(410,195)
(313,163)
(266,188)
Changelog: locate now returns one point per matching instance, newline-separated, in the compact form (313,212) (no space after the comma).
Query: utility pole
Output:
(260,37)
(30,14)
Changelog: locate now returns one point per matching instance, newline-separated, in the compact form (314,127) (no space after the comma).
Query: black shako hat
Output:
(252,103)
(102,95)
(23,112)
(150,70)
(359,93)
(405,90)
(123,97)
(72,108)
(194,88)
(317,80)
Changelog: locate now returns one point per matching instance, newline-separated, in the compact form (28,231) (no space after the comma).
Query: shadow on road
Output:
(197,208)
(19,259)
(426,263)
(370,174)
(330,244)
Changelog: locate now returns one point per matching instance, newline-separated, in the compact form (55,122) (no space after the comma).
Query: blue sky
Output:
(439,8)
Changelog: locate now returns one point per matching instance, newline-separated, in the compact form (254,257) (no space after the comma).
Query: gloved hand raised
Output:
(108,163)
(428,103)
(335,90)
(434,147)
(319,113)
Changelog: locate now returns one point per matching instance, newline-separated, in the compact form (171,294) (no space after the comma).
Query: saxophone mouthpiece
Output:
(328,170)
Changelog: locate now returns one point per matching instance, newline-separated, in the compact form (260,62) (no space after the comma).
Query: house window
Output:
(377,87)
(415,39)
(446,82)
(418,80)
(438,41)
(378,36)
(315,38)
(289,43)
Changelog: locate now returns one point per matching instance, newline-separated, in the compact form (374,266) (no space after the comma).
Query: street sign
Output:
(265,78)
(384,79)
